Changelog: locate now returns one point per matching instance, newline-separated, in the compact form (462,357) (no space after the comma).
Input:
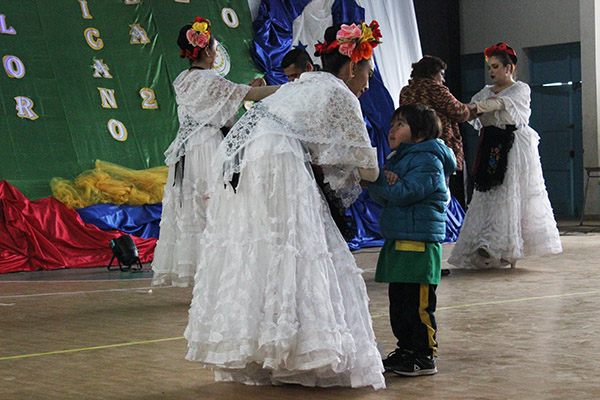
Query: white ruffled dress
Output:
(278,297)
(206,102)
(513,220)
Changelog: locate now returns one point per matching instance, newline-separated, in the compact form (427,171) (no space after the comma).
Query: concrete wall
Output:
(520,23)
(530,23)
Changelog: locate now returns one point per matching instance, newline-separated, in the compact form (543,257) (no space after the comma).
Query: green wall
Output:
(48,60)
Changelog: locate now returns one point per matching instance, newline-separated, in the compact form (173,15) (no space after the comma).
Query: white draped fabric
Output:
(401,45)
(398,22)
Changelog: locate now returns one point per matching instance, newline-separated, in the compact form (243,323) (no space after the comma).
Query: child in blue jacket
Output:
(413,223)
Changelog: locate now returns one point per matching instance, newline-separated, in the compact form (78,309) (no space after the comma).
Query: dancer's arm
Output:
(259,93)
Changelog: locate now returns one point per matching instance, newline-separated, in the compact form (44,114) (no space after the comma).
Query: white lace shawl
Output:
(517,98)
(204,100)
(324,115)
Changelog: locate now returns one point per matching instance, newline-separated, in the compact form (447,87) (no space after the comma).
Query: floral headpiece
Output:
(354,41)
(198,36)
(499,48)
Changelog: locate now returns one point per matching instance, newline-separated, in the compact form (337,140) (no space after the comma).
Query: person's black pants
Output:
(457,188)
(411,315)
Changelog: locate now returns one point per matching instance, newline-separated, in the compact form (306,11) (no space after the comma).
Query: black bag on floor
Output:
(126,253)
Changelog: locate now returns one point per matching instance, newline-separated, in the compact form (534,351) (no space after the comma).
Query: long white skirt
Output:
(513,220)
(184,214)
(278,297)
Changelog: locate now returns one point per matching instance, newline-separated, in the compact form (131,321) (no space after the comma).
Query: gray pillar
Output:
(590,76)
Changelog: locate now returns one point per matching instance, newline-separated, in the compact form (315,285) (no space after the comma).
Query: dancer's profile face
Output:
(211,52)
(363,71)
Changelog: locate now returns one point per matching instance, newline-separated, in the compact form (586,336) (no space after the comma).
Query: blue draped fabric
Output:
(273,35)
(140,221)
(455,216)
(347,11)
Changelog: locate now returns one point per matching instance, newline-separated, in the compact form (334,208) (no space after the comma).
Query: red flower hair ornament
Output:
(356,41)
(499,48)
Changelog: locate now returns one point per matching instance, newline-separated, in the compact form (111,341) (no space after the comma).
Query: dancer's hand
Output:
(257,82)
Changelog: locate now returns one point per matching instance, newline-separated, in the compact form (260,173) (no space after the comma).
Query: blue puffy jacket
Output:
(415,207)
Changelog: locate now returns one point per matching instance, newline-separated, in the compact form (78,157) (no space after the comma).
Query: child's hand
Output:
(257,82)
(391,177)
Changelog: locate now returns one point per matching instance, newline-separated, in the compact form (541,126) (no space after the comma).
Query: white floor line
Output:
(20,296)
(78,280)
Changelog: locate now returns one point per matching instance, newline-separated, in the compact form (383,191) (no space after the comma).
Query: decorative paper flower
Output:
(348,32)
(201,27)
(354,41)
(347,48)
(197,39)
(364,50)
(199,34)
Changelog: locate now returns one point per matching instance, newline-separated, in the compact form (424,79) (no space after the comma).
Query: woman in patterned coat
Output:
(427,87)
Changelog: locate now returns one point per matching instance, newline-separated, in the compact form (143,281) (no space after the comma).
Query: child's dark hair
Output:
(423,121)
(186,47)
(334,61)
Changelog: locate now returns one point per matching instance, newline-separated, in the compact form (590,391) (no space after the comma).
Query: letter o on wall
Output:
(230,17)
(117,130)
(13,66)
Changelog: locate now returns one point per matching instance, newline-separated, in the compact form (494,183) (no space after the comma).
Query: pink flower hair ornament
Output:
(356,41)
(198,36)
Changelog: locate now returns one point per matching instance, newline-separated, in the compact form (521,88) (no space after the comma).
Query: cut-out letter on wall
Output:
(4,29)
(138,35)
(13,67)
(117,130)
(101,69)
(108,98)
(230,17)
(85,12)
(90,37)
(149,97)
(25,108)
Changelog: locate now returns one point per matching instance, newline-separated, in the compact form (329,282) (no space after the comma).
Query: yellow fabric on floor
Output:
(113,184)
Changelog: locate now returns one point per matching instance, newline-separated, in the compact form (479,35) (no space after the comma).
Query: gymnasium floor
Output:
(527,333)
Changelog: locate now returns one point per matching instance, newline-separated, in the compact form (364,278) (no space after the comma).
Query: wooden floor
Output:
(528,333)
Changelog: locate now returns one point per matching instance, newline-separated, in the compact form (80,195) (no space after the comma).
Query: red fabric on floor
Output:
(45,234)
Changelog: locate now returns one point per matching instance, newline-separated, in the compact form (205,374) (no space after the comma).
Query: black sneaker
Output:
(416,366)
(395,359)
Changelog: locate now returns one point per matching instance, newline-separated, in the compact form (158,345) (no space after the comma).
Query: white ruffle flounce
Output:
(278,297)
(511,221)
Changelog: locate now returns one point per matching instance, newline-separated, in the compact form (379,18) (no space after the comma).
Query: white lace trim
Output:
(320,112)
(204,100)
